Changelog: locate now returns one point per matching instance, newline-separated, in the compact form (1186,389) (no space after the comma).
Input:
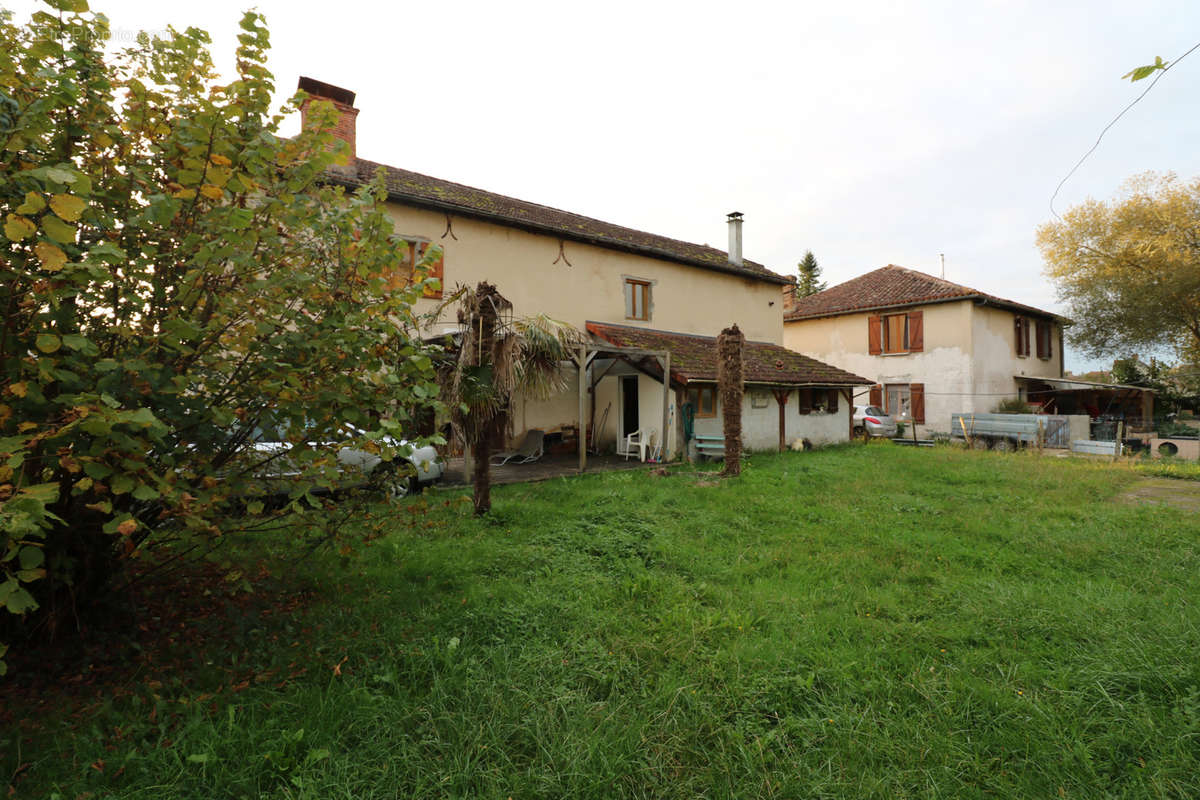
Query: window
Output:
(414,250)
(637,299)
(893,334)
(1044,346)
(703,400)
(902,401)
(1021,329)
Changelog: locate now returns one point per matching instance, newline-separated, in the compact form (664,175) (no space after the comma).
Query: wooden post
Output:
(848,394)
(583,348)
(665,448)
(781,397)
(1120,436)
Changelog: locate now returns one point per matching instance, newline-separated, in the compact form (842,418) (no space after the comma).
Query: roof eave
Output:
(979,298)
(533,227)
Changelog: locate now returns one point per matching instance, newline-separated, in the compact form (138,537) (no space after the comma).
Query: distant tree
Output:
(1129,269)
(174,274)
(809,276)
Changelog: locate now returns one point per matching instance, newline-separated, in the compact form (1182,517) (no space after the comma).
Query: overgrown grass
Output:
(855,622)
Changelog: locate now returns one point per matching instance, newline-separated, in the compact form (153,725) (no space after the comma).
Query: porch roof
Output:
(694,358)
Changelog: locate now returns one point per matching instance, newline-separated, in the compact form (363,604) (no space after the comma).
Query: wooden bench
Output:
(710,446)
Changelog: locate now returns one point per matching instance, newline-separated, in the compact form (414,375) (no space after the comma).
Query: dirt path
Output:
(1164,491)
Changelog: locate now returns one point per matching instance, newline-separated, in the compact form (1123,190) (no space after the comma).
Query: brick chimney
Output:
(343,102)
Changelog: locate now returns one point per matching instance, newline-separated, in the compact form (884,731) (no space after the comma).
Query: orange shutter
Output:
(916,332)
(877,395)
(916,392)
(875,335)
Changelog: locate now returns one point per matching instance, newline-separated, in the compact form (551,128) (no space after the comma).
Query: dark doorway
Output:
(629,404)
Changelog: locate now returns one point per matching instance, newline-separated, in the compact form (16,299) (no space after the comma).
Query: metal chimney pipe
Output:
(735,238)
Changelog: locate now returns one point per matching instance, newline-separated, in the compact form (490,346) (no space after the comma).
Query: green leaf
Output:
(48,342)
(31,557)
(17,228)
(198,758)
(20,601)
(121,484)
(68,206)
(145,492)
(58,230)
(80,344)
(33,204)
(77,6)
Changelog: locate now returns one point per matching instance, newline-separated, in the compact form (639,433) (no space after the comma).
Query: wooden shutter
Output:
(916,332)
(831,400)
(1043,339)
(1021,325)
(804,400)
(876,398)
(875,335)
(916,393)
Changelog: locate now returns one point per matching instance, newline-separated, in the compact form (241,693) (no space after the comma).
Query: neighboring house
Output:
(616,283)
(931,348)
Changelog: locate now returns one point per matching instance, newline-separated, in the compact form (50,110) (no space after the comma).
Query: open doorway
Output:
(629,404)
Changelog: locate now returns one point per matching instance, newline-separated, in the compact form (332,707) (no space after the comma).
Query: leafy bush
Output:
(174,273)
(1011,405)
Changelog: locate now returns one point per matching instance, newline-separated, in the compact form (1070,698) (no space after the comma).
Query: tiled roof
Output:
(890,287)
(421,190)
(694,358)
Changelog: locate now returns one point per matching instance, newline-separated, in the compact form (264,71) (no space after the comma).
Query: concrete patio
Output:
(548,466)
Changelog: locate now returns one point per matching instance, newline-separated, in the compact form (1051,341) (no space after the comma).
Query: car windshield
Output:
(874,411)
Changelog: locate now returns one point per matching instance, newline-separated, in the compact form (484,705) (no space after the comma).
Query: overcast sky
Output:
(874,133)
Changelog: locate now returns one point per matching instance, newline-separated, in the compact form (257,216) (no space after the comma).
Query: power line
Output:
(1079,163)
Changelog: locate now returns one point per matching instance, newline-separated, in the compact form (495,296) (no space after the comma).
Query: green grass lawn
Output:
(855,622)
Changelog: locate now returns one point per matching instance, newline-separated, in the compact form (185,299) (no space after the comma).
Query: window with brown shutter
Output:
(895,333)
(831,400)
(875,335)
(1044,347)
(413,262)
(877,395)
(916,331)
(804,402)
(1021,328)
(916,393)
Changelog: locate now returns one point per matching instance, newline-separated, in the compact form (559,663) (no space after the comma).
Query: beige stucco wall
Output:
(521,265)
(967,363)
(760,426)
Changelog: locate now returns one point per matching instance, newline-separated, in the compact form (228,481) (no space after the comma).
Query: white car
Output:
(412,468)
(873,420)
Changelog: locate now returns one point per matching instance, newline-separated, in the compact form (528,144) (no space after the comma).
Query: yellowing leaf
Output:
(33,204)
(184,194)
(52,257)
(48,342)
(127,527)
(68,206)
(17,228)
(20,388)
(211,192)
(220,160)
(58,230)
(104,140)
(26,426)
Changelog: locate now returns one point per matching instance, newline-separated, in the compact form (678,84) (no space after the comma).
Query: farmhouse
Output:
(930,347)
(651,304)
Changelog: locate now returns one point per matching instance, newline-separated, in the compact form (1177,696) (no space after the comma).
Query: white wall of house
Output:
(967,363)
(684,299)
(760,426)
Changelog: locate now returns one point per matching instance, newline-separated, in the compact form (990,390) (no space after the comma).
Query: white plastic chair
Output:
(638,442)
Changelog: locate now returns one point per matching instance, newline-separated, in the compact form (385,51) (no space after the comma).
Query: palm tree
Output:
(499,358)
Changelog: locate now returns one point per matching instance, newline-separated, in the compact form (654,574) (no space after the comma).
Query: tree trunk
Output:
(729,385)
(481,476)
